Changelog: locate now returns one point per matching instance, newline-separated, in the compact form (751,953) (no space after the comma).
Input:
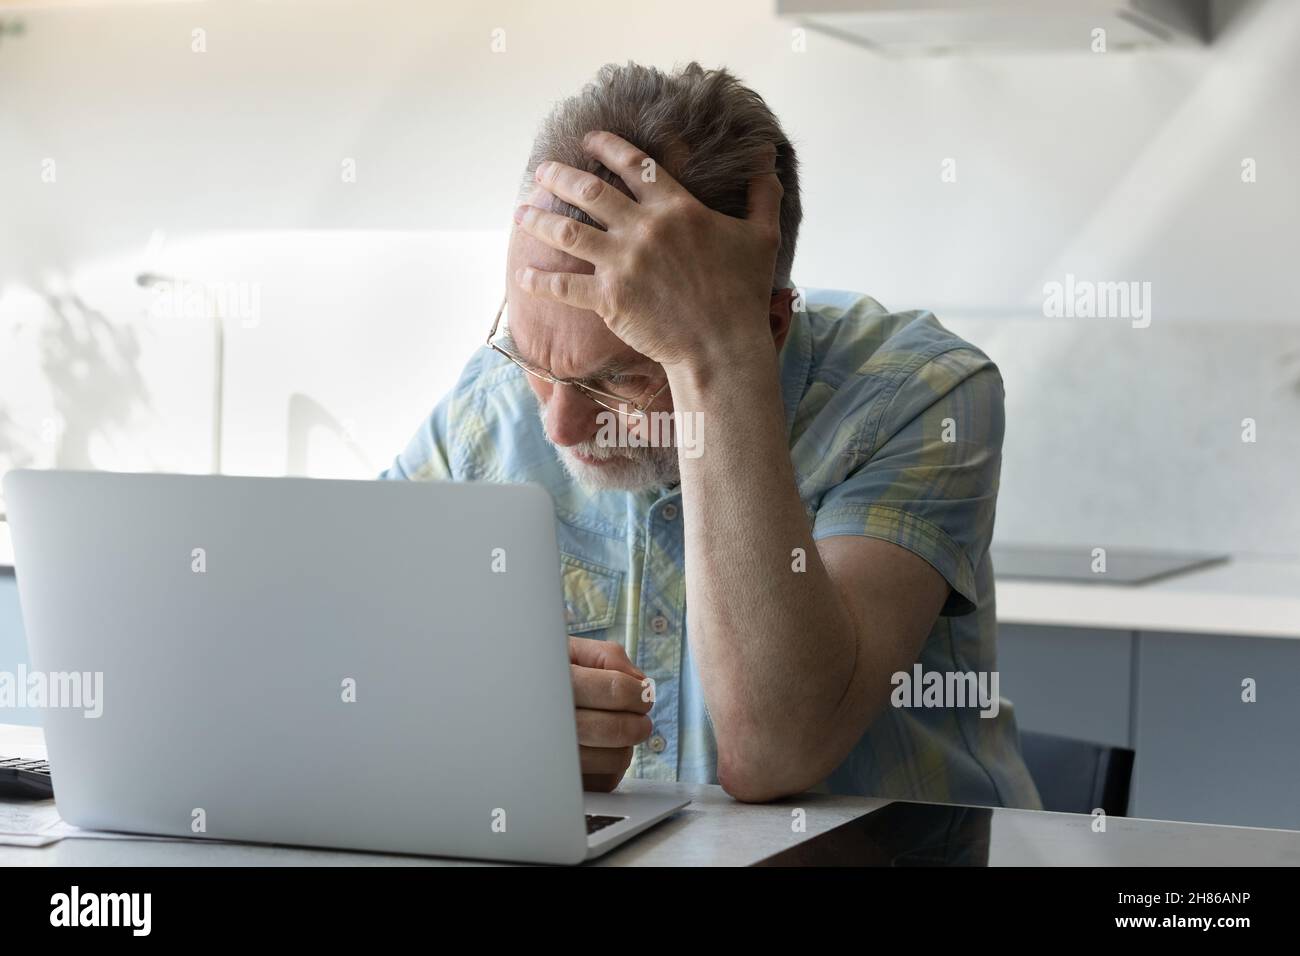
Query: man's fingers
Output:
(765,192)
(647,180)
(611,690)
(567,235)
(604,654)
(579,291)
(612,728)
(605,760)
(597,198)
(601,782)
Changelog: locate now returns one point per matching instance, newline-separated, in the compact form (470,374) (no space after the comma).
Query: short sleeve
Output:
(927,479)
(425,457)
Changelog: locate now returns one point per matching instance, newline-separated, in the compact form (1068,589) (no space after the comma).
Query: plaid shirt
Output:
(895,430)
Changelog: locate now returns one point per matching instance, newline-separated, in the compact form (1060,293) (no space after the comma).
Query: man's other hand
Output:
(611,698)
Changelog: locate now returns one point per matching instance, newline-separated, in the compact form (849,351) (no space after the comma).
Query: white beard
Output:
(630,469)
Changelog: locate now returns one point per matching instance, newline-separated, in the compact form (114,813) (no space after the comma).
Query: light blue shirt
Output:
(895,431)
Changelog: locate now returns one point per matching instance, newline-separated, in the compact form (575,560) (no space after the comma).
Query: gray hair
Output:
(703,127)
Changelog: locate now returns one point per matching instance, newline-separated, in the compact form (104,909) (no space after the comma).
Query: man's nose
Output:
(570,416)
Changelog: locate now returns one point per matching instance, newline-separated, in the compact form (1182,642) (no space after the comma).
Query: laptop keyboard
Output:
(597,822)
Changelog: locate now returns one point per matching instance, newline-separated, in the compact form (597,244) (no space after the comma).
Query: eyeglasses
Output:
(626,405)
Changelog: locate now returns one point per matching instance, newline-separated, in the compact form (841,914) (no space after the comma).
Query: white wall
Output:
(1115,167)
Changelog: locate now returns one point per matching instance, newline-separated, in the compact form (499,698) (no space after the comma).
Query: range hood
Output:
(944,26)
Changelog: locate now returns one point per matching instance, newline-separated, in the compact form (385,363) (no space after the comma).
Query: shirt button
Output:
(669,512)
(657,744)
(659,624)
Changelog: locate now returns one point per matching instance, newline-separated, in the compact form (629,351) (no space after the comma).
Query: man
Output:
(827,525)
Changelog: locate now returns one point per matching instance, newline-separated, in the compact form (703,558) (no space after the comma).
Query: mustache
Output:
(588,448)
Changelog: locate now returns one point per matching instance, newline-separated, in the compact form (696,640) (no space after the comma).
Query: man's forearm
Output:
(775,646)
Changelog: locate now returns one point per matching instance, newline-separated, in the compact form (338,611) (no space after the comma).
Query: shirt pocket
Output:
(590,594)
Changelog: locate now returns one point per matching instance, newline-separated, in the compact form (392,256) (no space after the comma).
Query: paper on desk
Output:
(63,830)
(37,823)
(16,839)
(29,824)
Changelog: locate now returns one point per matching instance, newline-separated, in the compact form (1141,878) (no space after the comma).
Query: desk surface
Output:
(717,831)
(714,830)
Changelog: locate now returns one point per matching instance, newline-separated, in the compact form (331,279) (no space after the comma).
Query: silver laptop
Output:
(367,665)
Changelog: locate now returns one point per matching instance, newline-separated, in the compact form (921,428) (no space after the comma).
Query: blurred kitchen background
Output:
(265,235)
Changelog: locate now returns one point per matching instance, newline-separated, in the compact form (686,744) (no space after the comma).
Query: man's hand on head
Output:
(675,280)
(611,699)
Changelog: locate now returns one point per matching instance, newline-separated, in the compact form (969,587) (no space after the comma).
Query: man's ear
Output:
(780,315)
